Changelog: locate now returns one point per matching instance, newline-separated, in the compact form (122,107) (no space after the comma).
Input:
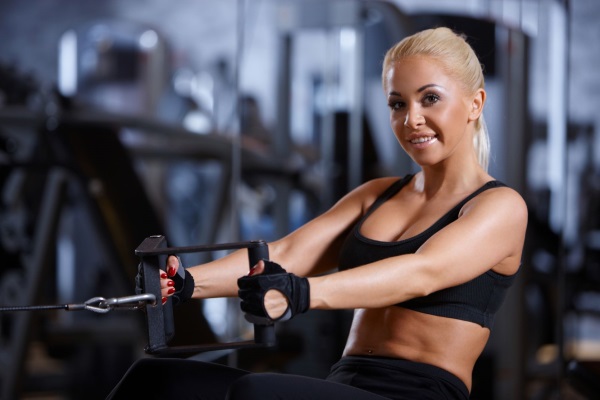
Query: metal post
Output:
(282,140)
(36,267)
(355,160)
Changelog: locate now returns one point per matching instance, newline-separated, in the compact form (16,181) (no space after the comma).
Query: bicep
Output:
(490,232)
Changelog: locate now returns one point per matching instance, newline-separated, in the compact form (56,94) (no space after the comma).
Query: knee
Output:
(135,381)
(149,378)
(145,369)
(253,386)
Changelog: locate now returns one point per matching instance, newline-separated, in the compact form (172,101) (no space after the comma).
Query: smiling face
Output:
(431,114)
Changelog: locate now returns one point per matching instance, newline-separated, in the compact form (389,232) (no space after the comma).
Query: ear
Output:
(477,105)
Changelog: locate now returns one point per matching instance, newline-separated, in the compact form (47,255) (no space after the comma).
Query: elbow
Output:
(417,287)
(428,276)
(429,281)
(424,290)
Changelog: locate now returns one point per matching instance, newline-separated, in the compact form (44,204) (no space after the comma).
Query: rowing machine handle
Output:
(152,252)
(264,330)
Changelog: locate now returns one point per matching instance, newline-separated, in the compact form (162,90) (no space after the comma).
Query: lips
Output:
(422,139)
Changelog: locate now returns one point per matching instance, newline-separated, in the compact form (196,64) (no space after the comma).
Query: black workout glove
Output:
(252,291)
(184,283)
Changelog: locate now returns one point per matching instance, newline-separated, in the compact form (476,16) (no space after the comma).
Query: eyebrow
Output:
(419,90)
(428,86)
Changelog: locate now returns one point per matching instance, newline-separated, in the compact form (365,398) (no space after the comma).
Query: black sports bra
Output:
(475,301)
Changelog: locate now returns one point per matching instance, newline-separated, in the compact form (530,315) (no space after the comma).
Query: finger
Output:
(167,291)
(258,268)
(172,266)
(166,285)
(165,280)
(163,275)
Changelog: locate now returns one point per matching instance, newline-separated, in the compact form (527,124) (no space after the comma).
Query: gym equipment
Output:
(152,252)
(159,317)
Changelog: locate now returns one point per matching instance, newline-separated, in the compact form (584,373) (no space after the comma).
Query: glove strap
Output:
(301,289)
(184,284)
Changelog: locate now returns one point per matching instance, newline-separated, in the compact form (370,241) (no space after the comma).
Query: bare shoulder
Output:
(501,202)
(352,205)
(378,185)
(505,196)
(370,190)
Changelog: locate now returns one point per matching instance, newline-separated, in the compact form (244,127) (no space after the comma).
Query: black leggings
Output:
(357,378)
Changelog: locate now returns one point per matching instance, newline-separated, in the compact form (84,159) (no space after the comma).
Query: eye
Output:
(396,105)
(430,99)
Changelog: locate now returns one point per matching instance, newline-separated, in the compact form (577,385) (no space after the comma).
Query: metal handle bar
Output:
(95,304)
(159,317)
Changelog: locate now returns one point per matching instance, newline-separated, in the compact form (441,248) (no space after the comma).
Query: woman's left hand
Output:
(269,291)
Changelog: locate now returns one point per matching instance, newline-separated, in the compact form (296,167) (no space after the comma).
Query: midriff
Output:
(450,344)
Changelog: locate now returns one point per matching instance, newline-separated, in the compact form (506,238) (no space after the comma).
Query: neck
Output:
(433,180)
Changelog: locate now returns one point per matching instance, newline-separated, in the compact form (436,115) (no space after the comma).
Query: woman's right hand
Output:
(167,284)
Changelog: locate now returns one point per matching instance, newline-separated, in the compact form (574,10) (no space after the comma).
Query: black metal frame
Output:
(160,322)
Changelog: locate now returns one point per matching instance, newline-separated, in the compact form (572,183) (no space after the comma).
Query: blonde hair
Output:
(459,59)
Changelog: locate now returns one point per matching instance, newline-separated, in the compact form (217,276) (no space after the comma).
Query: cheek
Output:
(449,120)
(397,128)
(457,114)
(396,122)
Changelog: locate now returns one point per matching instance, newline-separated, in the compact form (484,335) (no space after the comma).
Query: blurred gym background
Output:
(221,121)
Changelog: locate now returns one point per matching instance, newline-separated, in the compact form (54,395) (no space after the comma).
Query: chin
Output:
(425,162)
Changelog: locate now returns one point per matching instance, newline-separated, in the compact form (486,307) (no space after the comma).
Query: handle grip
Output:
(264,329)
(159,318)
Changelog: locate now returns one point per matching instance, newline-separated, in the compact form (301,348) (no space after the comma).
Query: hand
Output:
(176,281)
(275,303)
(269,291)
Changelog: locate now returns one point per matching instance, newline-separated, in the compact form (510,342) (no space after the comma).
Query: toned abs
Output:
(451,344)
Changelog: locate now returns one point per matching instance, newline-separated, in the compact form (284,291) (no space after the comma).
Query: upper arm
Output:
(489,234)
(314,247)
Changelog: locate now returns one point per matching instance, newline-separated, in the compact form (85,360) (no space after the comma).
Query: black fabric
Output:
(252,290)
(272,386)
(475,301)
(398,379)
(177,379)
(356,378)
(184,284)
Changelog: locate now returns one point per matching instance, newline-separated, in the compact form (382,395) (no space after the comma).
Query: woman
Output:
(424,260)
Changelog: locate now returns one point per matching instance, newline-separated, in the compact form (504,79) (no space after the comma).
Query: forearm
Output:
(219,278)
(375,285)
(310,249)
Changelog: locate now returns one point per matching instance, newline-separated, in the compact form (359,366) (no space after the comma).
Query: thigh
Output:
(159,378)
(270,386)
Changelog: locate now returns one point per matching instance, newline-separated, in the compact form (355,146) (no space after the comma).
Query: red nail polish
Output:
(171,291)
(171,271)
(163,276)
(164,300)
(252,271)
(171,283)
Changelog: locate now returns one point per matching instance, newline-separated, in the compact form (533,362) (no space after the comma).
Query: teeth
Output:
(422,140)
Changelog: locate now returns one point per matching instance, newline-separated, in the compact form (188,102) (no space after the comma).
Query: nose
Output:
(413,120)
